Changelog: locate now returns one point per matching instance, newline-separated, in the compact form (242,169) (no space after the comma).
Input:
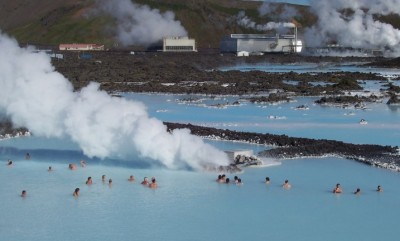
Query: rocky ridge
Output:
(286,147)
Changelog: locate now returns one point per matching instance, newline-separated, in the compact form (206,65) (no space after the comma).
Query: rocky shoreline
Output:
(199,73)
(8,131)
(286,147)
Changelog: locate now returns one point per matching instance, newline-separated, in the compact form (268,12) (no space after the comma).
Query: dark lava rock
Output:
(271,98)
(7,130)
(119,71)
(340,100)
(293,147)
(393,100)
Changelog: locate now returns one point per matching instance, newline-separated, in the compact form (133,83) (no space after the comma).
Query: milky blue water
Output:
(321,122)
(323,67)
(191,205)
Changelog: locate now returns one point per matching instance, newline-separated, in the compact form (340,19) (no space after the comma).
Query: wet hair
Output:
(89,178)
(110,180)
(236,178)
(267,179)
(153,180)
(23,191)
(77,189)
(219,177)
(338,184)
(227,180)
(239,180)
(286,181)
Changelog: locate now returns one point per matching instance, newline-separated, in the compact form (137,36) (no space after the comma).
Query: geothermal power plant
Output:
(245,44)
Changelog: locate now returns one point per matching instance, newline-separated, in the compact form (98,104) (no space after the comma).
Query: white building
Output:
(81,47)
(261,43)
(179,44)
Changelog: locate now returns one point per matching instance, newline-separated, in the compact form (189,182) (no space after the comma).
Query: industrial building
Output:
(81,47)
(260,43)
(179,44)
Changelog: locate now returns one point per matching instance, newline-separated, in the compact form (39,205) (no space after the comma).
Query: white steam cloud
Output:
(141,25)
(34,95)
(354,24)
(278,12)
(246,22)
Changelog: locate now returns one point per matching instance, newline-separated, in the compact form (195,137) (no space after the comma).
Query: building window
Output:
(179,48)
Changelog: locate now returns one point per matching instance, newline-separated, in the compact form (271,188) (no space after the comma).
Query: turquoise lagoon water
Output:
(323,67)
(191,205)
(321,122)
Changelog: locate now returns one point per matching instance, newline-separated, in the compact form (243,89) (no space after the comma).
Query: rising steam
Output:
(139,24)
(281,17)
(246,22)
(35,96)
(354,24)
(280,13)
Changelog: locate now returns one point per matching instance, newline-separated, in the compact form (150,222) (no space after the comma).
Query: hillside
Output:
(55,21)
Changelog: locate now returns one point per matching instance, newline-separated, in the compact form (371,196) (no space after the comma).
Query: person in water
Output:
(358,191)
(337,189)
(379,189)
(89,181)
(227,181)
(23,193)
(72,166)
(110,181)
(76,192)
(9,163)
(50,169)
(239,182)
(103,178)
(267,180)
(131,178)
(221,178)
(27,156)
(153,183)
(145,181)
(83,163)
(286,184)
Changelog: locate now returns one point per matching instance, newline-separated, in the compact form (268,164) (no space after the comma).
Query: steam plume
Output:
(354,24)
(246,22)
(34,95)
(138,24)
(278,12)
